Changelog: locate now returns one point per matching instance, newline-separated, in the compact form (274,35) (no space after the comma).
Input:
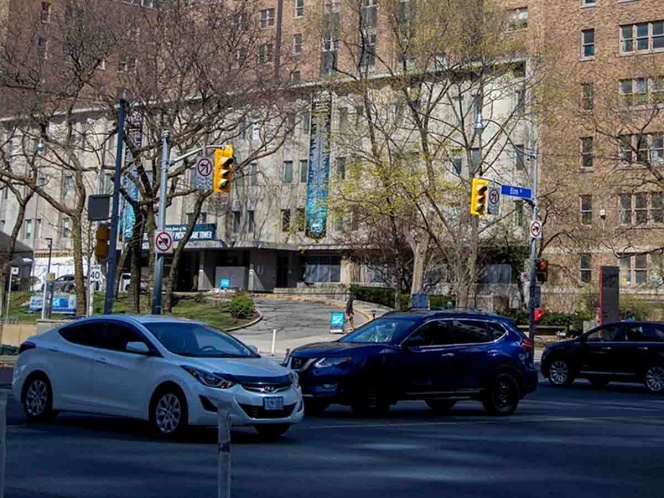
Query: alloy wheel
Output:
(655,379)
(36,398)
(504,394)
(168,413)
(559,372)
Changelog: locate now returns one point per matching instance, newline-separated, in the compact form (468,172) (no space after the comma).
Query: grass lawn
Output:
(185,307)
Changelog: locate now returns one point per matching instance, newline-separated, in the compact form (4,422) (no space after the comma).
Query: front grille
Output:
(266,388)
(259,412)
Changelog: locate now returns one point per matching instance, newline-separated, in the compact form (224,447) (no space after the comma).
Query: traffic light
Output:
(223,169)
(103,236)
(542,270)
(478,196)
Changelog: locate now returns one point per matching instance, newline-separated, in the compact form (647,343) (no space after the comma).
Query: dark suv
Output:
(622,351)
(437,356)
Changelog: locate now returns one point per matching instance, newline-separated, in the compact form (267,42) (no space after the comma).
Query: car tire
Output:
(560,373)
(599,383)
(502,396)
(440,405)
(272,431)
(373,403)
(37,399)
(315,406)
(168,412)
(653,378)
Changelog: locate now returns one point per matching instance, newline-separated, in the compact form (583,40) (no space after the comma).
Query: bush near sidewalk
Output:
(241,307)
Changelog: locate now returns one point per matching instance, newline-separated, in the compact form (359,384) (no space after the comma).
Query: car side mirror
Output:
(138,348)
(253,349)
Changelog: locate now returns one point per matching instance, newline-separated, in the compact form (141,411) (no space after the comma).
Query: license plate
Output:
(273,403)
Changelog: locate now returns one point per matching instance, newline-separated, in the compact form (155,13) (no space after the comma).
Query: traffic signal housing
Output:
(478,196)
(223,169)
(102,236)
(542,270)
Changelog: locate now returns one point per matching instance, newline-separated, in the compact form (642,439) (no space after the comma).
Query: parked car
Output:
(622,351)
(171,372)
(440,357)
(64,283)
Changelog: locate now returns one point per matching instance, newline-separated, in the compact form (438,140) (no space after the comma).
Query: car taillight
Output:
(25,346)
(527,344)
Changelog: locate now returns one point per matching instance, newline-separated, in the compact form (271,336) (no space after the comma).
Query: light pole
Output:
(533,252)
(46,280)
(161,224)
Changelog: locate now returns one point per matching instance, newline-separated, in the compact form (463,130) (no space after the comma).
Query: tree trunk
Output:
(150,228)
(136,248)
(79,282)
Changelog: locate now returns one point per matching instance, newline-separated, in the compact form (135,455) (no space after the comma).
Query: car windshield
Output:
(383,330)
(198,340)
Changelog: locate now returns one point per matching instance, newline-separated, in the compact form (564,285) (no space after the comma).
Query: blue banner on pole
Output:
(128,218)
(319,166)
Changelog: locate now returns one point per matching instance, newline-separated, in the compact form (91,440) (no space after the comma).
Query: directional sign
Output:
(493,206)
(203,173)
(95,273)
(163,243)
(512,191)
(536,229)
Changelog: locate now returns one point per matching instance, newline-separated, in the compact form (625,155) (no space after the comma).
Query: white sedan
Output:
(169,371)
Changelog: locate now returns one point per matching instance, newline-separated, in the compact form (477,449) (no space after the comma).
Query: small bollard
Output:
(373,314)
(223,449)
(3,439)
(274,341)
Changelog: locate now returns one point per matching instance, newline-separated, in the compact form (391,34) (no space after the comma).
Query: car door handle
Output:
(101,360)
(643,348)
(606,348)
(493,352)
(447,355)
(55,350)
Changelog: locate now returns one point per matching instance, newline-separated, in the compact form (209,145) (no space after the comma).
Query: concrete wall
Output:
(238,276)
(263,270)
(14,335)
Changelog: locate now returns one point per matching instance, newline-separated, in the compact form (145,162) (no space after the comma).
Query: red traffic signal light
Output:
(539,313)
(542,270)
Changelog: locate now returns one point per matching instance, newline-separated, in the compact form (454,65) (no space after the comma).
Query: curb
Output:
(286,297)
(246,325)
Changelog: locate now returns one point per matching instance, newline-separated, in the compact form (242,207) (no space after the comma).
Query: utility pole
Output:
(47,293)
(115,210)
(533,254)
(161,224)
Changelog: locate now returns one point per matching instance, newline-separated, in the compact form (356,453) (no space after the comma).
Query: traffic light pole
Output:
(533,255)
(161,224)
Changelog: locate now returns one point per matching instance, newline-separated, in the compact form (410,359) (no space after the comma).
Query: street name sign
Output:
(513,191)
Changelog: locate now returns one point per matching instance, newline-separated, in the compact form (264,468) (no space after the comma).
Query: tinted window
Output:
(635,333)
(383,330)
(83,334)
(198,340)
(469,332)
(433,333)
(655,332)
(496,331)
(604,334)
(118,335)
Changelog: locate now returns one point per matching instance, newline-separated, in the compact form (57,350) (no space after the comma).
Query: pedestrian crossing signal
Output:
(478,196)
(223,169)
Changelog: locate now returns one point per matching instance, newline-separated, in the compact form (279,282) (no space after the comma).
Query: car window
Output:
(434,333)
(496,331)
(604,334)
(635,333)
(382,330)
(118,335)
(84,334)
(469,332)
(654,332)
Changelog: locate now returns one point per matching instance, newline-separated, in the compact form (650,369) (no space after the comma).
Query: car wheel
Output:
(560,373)
(371,404)
(440,405)
(654,379)
(37,399)
(169,412)
(599,383)
(502,396)
(315,406)
(272,431)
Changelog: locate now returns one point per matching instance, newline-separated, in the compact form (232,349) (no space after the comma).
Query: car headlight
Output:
(332,362)
(209,379)
(295,379)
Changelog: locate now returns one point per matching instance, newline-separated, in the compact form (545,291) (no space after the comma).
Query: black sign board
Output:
(98,206)
(609,294)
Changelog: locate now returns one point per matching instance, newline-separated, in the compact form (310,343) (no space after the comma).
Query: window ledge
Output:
(586,59)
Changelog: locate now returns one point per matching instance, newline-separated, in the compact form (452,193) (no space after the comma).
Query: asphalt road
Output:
(574,442)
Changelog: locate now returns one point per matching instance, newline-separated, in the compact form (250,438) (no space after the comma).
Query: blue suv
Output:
(440,357)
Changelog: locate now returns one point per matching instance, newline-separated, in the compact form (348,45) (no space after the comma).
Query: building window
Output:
(237,221)
(265,53)
(305,120)
(66,228)
(68,185)
(322,269)
(331,6)
(329,55)
(42,47)
(288,172)
(626,152)
(587,152)
(519,157)
(368,16)
(587,209)
(46,12)
(341,168)
(625,264)
(642,37)
(296,76)
(27,232)
(657,207)
(641,209)
(588,43)
(38,229)
(588,3)
(300,219)
(517,19)
(267,18)
(585,264)
(633,268)
(588,99)
(634,91)
(368,51)
(520,100)
(253,173)
(251,223)
(299,8)
(625,209)
(285,220)
(297,44)
(657,90)
(457,162)
(304,170)
(255,130)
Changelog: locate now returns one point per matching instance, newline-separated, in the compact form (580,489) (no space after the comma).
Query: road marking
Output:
(595,405)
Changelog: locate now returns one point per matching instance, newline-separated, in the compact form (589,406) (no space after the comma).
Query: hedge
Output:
(385,297)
